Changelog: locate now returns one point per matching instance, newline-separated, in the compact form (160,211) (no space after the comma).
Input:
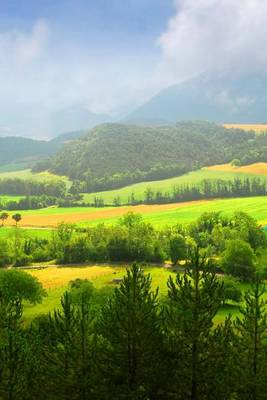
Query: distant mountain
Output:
(75,118)
(115,155)
(221,98)
(37,122)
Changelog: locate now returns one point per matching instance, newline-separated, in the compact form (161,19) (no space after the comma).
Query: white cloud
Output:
(214,34)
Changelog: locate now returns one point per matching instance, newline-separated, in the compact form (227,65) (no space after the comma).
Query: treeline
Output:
(232,243)
(206,189)
(21,187)
(132,344)
(115,155)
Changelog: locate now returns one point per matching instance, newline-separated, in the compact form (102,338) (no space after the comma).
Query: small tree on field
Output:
(17,218)
(4,216)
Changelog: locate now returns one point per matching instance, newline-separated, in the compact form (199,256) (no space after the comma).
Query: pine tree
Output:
(130,327)
(194,299)
(251,330)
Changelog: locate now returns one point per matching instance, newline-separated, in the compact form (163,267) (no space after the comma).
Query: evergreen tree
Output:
(251,348)
(194,299)
(130,327)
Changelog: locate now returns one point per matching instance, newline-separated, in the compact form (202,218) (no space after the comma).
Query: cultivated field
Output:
(158,215)
(258,128)
(225,171)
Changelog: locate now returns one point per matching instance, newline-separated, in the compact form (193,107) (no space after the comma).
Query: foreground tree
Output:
(194,299)
(251,347)
(130,327)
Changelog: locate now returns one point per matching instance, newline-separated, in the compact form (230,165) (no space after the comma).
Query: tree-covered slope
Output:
(114,155)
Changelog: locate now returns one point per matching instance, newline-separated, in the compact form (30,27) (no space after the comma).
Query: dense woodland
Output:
(116,155)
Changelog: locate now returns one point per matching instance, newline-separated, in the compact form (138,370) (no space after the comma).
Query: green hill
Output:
(116,155)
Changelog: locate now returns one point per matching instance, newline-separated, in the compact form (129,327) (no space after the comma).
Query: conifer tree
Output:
(194,299)
(251,330)
(130,327)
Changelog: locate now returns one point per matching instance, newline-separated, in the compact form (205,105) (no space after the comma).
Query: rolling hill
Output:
(116,155)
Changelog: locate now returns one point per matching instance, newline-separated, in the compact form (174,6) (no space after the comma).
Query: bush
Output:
(238,260)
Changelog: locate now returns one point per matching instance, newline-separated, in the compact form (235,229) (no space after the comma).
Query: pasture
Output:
(158,215)
(27,174)
(225,172)
(56,280)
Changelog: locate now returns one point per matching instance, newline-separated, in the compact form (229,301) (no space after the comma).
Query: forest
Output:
(115,155)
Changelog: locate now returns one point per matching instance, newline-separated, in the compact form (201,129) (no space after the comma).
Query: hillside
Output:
(222,98)
(115,155)
(15,149)
(25,152)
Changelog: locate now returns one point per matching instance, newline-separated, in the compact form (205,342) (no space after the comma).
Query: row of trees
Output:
(24,187)
(132,344)
(232,243)
(205,189)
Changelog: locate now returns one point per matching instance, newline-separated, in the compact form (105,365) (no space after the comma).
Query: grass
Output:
(6,232)
(6,198)
(56,280)
(27,174)
(158,215)
(226,172)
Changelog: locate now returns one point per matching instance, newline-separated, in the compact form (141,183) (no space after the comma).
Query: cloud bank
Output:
(214,35)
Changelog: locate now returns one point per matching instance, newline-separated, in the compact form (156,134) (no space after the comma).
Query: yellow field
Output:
(254,169)
(56,277)
(248,127)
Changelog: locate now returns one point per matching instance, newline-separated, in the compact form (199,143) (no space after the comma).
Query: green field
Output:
(55,280)
(168,214)
(166,185)
(29,175)
(6,198)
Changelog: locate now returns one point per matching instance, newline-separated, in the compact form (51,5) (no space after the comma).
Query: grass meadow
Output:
(158,215)
(56,280)
(225,172)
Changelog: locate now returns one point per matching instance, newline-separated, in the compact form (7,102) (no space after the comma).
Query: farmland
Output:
(224,171)
(158,215)
(27,174)
(258,128)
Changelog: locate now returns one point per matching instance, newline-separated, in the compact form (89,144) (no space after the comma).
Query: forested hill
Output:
(19,148)
(114,155)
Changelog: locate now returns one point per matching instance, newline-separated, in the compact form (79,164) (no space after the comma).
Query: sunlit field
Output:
(158,215)
(258,128)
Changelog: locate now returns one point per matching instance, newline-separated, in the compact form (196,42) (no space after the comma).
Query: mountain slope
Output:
(114,155)
(214,97)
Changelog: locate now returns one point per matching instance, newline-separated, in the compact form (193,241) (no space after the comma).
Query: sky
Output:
(112,55)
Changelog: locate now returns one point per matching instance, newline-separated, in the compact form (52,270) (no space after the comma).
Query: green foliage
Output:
(19,286)
(251,348)
(238,260)
(178,248)
(116,155)
(129,324)
(232,290)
